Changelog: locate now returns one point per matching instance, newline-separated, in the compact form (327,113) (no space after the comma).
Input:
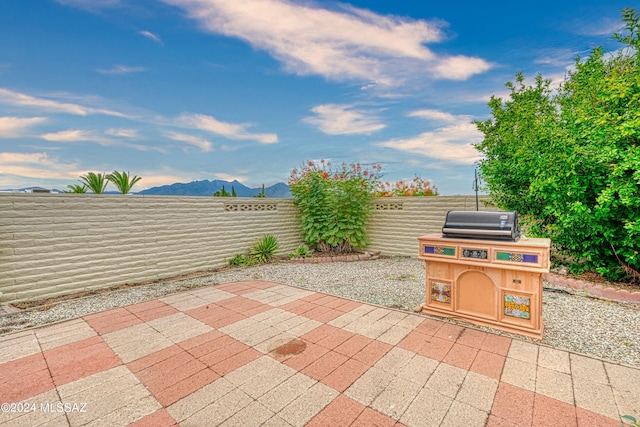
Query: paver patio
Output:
(207,357)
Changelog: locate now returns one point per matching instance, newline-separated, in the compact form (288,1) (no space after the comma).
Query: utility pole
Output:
(475,187)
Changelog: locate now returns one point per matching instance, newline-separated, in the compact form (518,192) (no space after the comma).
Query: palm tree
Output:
(96,182)
(76,188)
(123,181)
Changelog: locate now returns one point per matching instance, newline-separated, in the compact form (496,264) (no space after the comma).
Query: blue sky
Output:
(184,90)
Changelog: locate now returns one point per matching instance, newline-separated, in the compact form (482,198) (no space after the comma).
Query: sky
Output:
(188,90)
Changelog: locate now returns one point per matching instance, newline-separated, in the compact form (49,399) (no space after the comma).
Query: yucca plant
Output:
(95,182)
(123,181)
(76,188)
(262,250)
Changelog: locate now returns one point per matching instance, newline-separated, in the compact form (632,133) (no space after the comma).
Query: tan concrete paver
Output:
(369,386)
(257,385)
(396,397)
(185,301)
(551,358)
(595,397)
(478,391)
(276,421)
(200,399)
(418,370)
(394,335)
(115,395)
(427,409)
(394,361)
(219,410)
(286,392)
(18,345)
(376,314)
(462,414)
(253,415)
(523,351)
(587,368)
(303,328)
(394,317)
(308,404)
(519,373)
(244,327)
(274,342)
(554,384)
(446,380)
(41,410)
(64,333)
(411,321)
(179,327)
(343,320)
(136,341)
(625,382)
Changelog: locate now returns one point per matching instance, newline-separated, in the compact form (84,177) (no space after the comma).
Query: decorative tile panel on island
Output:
(486,282)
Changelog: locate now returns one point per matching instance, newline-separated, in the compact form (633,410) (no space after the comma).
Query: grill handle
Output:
(477,232)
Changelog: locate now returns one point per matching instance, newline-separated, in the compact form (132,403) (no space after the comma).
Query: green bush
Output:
(242,260)
(334,204)
(568,160)
(263,249)
(301,251)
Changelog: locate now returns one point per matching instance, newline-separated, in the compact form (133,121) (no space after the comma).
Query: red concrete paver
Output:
(312,353)
(345,375)
(80,359)
(111,320)
(326,364)
(461,356)
(353,345)
(436,348)
(151,310)
(414,341)
(370,417)
(449,332)
(488,364)
(318,334)
(23,378)
(513,404)
(348,306)
(202,344)
(216,316)
(552,412)
(496,344)
(372,352)
(235,361)
(591,419)
(472,338)
(429,327)
(159,418)
(342,411)
(238,288)
(336,338)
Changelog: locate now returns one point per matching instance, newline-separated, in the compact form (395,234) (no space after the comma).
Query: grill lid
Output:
(484,225)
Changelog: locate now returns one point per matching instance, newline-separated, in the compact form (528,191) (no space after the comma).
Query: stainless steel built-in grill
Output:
(483,225)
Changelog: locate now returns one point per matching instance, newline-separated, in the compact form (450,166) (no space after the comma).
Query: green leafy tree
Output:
(95,182)
(569,160)
(261,193)
(76,188)
(334,204)
(233,192)
(223,193)
(123,181)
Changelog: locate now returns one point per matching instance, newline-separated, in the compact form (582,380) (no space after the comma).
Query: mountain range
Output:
(207,188)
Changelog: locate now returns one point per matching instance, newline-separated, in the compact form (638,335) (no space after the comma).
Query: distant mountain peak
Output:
(207,188)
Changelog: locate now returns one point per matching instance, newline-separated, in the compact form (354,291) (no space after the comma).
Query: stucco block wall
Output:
(54,244)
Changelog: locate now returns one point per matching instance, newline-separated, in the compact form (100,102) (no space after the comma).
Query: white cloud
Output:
(150,35)
(334,119)
(228,130)
(452,143)
(123,133)
(8,97)
(201,143)
(230,177)
(437,116)
(121,69)
(79,135)
(460,67)
(343,44)
(603,26)
(29,167)
(11,127)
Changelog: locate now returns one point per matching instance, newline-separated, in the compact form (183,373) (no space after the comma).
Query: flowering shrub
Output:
(417,187)
(334,203)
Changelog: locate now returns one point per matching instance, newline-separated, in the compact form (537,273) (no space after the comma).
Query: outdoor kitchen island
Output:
(486,282)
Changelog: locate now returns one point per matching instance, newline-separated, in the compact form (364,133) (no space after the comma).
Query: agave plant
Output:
(123,181)
(262,250)
(76,188)
(95,182)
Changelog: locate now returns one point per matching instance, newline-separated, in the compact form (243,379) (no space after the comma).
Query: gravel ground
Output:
(573,321)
